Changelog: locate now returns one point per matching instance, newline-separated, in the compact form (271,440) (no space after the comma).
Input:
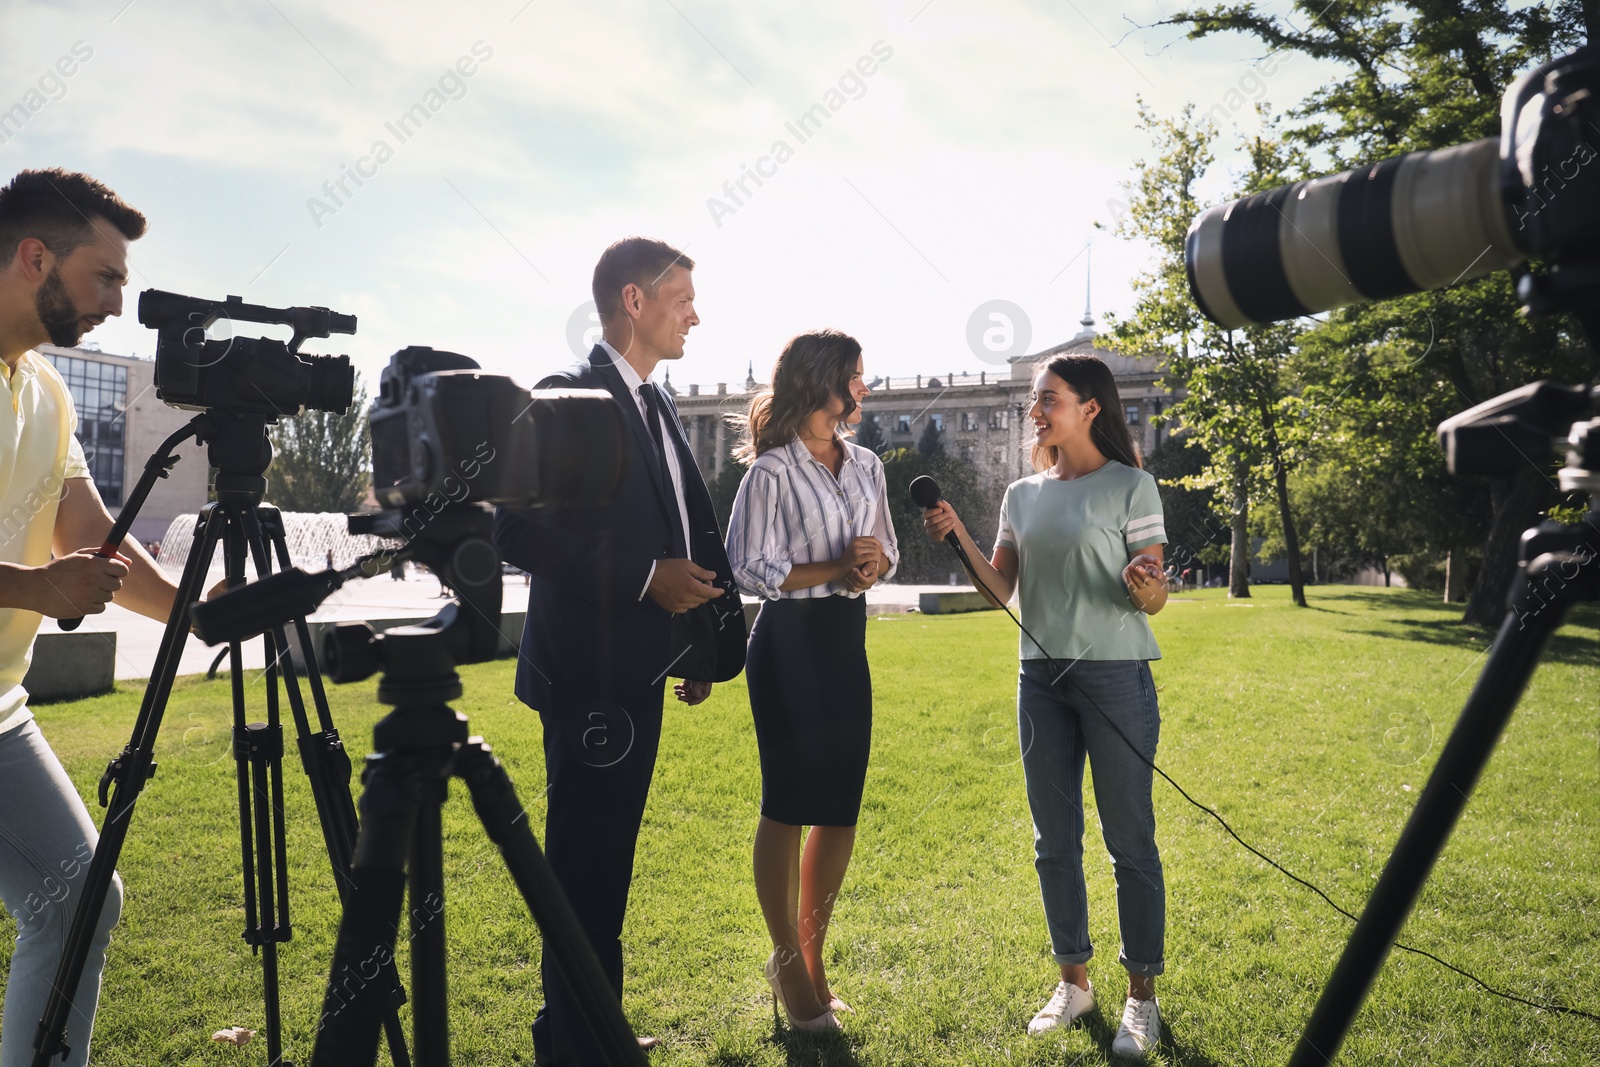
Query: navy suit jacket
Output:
(590,637)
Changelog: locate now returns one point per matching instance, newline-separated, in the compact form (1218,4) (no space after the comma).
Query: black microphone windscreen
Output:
(925,491)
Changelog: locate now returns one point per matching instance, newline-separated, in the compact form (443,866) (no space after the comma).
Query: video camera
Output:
(447,441)
(245,375)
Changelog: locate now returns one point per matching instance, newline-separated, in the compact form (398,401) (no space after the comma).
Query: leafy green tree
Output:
(1193,514)
(870,435)
(921,560)
(1423,75)
(724,488)
(322,460)
(1237,395)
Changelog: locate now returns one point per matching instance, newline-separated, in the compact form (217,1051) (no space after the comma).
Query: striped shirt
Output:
(791,509)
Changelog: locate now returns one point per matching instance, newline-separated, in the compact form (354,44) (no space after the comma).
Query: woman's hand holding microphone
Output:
(941,519)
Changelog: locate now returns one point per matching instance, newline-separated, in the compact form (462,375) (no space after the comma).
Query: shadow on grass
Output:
(1575,649)
(814,1050)
(1172,1047)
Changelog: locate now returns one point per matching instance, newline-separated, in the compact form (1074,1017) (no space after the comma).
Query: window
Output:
(938,421)
(969,421)
(1000,418)
(966,453)
(902,424)
(100,393)
(1133,414)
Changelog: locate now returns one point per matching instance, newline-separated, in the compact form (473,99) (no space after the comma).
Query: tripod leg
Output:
(323,756)
(430,1009)
(354,1005)
(506,821)
(258,754)
(124,779)
(1494,697)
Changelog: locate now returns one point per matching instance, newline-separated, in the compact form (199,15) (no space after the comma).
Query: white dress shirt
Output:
(792,509)
(631,379)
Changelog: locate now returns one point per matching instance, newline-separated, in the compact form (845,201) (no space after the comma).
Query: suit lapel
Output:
(600,360)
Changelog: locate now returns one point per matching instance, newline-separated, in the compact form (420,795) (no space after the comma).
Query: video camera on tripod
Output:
(1417,222)
(448,441)
(257,375)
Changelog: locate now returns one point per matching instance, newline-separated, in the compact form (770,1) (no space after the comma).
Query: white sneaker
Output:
(1067,1005)
(1140,1029)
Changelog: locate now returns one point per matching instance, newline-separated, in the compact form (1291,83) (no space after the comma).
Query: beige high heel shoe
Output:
(824,1022)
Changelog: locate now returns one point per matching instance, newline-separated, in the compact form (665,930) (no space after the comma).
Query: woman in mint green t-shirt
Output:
(1080,543)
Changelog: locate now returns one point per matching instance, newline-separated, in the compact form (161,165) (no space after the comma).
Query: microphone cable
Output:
(1558,1009)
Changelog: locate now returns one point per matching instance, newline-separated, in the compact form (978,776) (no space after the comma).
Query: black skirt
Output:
(811,696)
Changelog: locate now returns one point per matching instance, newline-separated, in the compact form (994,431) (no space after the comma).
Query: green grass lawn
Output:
(1311,731)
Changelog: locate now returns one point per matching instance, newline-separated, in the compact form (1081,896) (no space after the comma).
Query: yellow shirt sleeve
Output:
(77,462)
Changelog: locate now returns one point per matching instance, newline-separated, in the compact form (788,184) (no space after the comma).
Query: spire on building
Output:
(750,382)
(667,384)
(1087,322)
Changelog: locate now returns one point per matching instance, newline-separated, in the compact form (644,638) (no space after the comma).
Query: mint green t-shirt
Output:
(1072,541)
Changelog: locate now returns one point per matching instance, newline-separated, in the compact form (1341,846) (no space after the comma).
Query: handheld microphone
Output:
(925,494)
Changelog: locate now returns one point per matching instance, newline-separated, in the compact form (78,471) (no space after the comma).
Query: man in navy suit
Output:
(622,596)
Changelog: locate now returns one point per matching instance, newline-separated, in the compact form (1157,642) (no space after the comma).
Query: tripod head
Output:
(455,542)
(238,447)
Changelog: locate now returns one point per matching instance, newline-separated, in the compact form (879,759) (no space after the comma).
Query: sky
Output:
(449,173)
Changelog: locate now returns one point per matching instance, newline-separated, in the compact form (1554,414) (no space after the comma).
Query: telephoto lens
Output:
(1420,221)
(1412,223)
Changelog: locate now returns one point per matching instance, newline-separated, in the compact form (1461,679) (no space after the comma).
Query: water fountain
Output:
(311,536)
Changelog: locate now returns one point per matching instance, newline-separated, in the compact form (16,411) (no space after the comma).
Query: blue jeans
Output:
(1058,727)
(46,842)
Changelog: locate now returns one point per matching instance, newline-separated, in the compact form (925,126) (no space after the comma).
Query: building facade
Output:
(121,424)
(982,415)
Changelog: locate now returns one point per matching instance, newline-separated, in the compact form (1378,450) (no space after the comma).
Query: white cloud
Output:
(982,151)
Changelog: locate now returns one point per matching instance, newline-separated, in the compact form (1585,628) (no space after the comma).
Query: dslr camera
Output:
(444,432)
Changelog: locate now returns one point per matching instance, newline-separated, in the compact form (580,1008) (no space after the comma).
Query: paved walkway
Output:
(372,598)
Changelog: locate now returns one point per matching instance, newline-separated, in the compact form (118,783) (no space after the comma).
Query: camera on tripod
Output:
(1423,221)
(248,375)
(448,440)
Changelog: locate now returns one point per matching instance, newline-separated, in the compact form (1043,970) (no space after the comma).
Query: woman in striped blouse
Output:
(810,533)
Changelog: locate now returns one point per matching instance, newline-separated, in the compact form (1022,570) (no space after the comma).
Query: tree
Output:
(1237,393)
(931,443)
(869,434)
(724,488)
(921,560)
(1190,509)
(1422,75)
(322,460)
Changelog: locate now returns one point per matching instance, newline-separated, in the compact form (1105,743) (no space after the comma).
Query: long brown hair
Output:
(812,369)
(1090,379)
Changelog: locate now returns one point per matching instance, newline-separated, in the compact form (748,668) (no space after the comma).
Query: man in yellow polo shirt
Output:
(63,263)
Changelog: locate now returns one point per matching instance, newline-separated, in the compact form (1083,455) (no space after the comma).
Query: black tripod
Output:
(238,447)
(1558,567)
(420,746)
